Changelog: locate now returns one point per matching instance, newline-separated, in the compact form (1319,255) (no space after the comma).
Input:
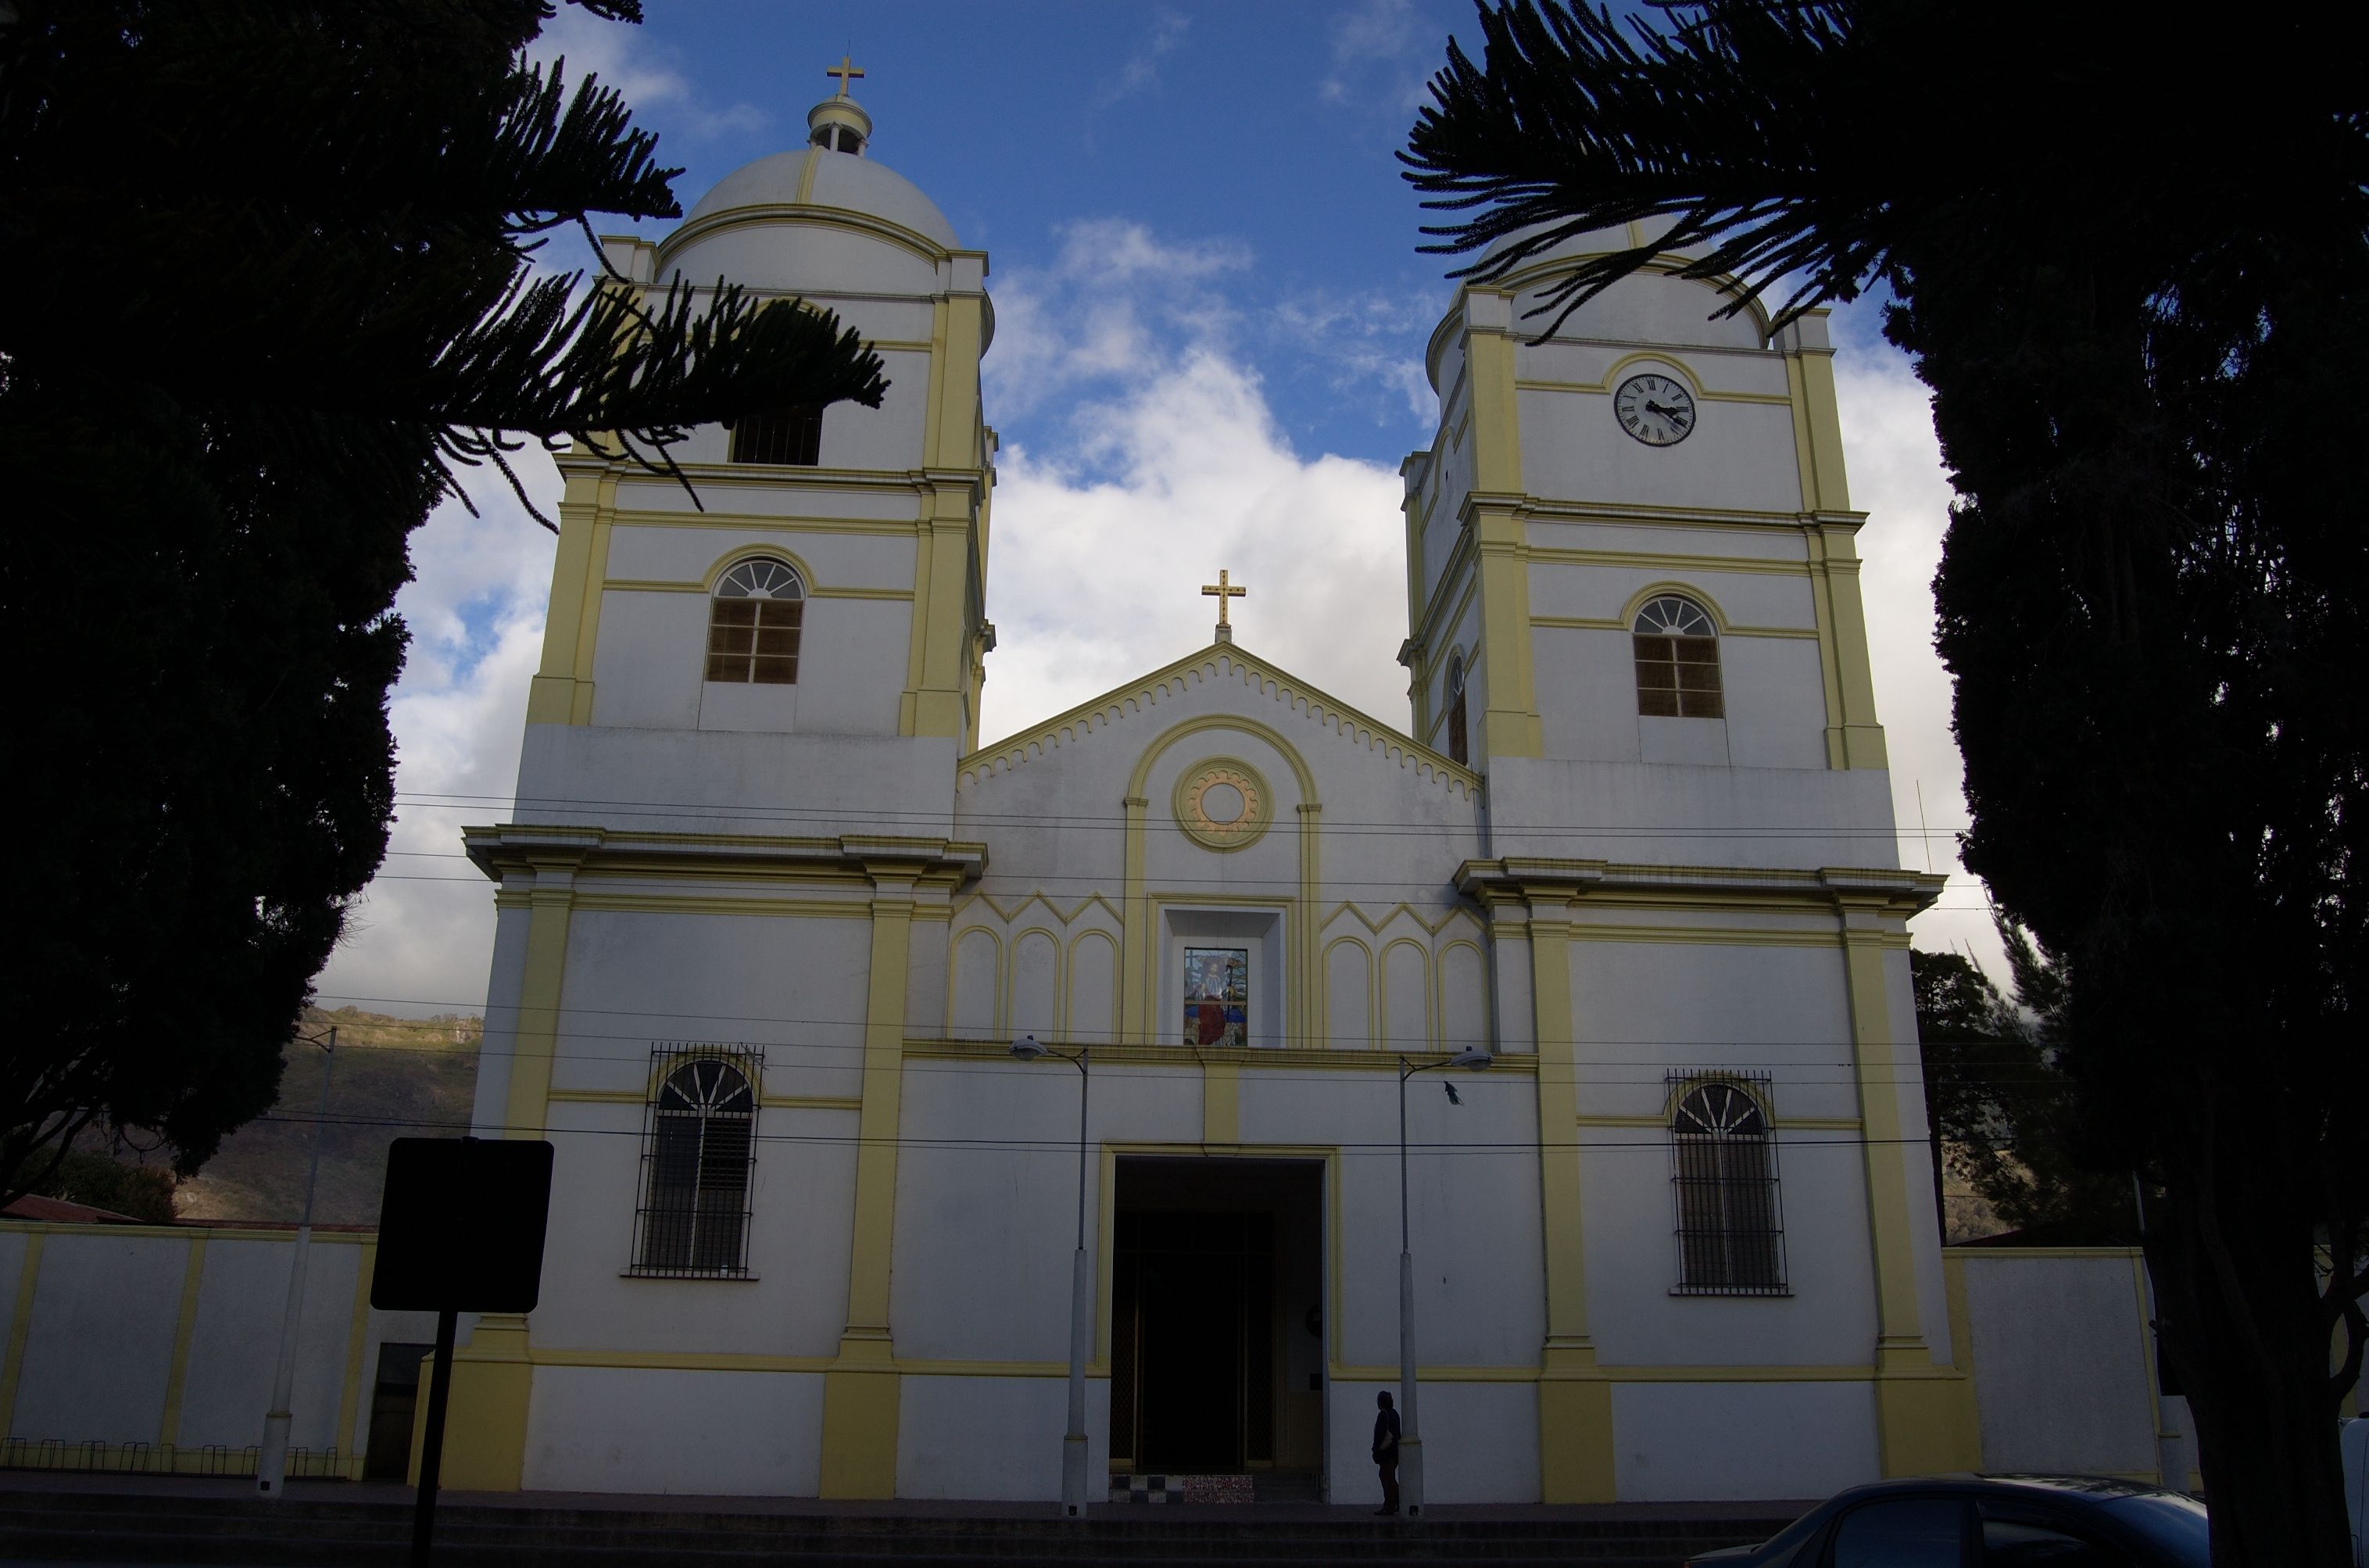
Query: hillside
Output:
(395,1077)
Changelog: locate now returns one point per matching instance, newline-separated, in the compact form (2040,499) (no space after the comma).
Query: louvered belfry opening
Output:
(1730,1231)
(699,1146)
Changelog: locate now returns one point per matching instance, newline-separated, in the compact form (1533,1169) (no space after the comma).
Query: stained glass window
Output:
(1216,996)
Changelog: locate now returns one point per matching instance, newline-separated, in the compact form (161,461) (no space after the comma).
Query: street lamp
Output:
(1082,1298)
(1409,1439)
(271,1462)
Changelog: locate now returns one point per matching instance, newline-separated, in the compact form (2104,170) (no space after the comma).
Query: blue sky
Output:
(1262,133)
(1211,315)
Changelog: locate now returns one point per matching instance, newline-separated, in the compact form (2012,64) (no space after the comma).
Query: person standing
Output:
(1385,1450)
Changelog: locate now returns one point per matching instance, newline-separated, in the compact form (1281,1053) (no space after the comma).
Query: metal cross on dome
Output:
(1221,590)
(844,70)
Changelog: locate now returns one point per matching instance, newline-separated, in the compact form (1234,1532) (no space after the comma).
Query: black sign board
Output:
(459,1229)
(461,1225)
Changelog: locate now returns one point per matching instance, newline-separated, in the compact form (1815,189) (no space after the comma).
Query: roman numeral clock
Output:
(1655,409)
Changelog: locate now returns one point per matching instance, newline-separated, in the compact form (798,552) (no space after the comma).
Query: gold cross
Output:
(843,69)
(1221,590)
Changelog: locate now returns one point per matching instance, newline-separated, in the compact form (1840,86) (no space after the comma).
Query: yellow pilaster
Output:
(1818,430)
(1574,1400)
(485,1425)
(860,1391)
(949,558)
(1221,1103)
(185,1326)
(562,689)
(1509,723)
(1921,1409)
(1138,986)
(350,1388)
(20,1326)
(1854,738)
(493,1380)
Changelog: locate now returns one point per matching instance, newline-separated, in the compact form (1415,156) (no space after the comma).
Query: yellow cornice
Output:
(1879,890)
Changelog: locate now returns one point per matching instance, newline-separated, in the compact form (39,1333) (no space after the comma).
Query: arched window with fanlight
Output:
(699,1144)
(1459,746)
(1677,659)
(754,622)
(1731,1230)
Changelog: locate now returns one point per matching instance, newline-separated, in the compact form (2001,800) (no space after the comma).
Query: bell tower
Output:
(1631,586)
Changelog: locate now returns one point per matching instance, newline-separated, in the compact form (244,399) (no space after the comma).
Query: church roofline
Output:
(1068,726)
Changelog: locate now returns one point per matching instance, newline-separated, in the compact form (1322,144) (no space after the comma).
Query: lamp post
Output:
(1082,1298)
(271,1461)
(1410,1438)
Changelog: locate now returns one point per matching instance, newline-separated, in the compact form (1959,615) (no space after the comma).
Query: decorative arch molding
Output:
(1363,1006)
(755,551)
(1685,1080)
(1639,599)
(1667,265)
(801,213)
(957,1019)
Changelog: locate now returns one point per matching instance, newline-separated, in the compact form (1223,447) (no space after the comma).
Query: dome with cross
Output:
(833,173)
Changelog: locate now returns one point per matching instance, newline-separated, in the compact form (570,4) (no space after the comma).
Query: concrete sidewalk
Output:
(230,1489)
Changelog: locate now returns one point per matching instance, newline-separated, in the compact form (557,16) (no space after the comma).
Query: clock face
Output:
(1655,409)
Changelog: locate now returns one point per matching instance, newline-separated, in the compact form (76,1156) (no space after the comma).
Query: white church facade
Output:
(771,916)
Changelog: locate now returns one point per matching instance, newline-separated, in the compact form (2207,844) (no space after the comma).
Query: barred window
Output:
(1458,747)
(1677,659)
(699,1143)
(1731,1230)
(792,434)
(754,623)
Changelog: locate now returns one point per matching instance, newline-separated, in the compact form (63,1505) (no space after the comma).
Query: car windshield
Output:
(2173,1522)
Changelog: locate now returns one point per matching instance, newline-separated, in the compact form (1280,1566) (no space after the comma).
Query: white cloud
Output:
(622,55)
(1381,57)
(1897,477)
(1141,71)
(1095,581)
(1116,303)
(423,934)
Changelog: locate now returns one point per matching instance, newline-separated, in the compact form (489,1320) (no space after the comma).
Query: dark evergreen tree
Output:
(2132,263)
(2002,1111)
(274,263)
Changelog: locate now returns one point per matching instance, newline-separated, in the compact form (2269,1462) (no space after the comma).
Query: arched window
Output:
(1731,1235)
(1677,659)
(1459,748)
(754,623)
(792,434)
(702,1138)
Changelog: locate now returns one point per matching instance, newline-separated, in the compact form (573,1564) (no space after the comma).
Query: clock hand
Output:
(1653,408)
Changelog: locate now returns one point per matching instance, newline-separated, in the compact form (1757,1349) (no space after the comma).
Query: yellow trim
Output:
(899,594)
(1209,835)
(1605,623)
(1750,566)
(1373,1006)
(686,904)
(1429,1012)
(1249,1057)
(493,1386)
(351,1437)
(1005,1026)
(1326,710)
(1604,389)
(753,552)
(769,1102)
(20,1326)
(1576,1437)
(185,1326)
(861,1391)
(1221,1103)
(998,1004)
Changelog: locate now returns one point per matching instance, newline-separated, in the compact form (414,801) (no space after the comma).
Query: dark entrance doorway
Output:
(1217,1316)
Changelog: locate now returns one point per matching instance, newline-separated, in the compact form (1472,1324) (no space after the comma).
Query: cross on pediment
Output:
(1222,590)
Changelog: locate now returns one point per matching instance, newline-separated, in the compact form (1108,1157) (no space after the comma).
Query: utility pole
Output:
(271,1463)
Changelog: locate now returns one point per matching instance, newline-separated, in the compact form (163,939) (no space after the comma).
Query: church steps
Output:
(82,1527)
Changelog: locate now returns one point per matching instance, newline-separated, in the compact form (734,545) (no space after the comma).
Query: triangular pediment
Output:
(1269,695)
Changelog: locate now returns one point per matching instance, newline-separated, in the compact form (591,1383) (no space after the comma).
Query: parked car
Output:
(1988,1521)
